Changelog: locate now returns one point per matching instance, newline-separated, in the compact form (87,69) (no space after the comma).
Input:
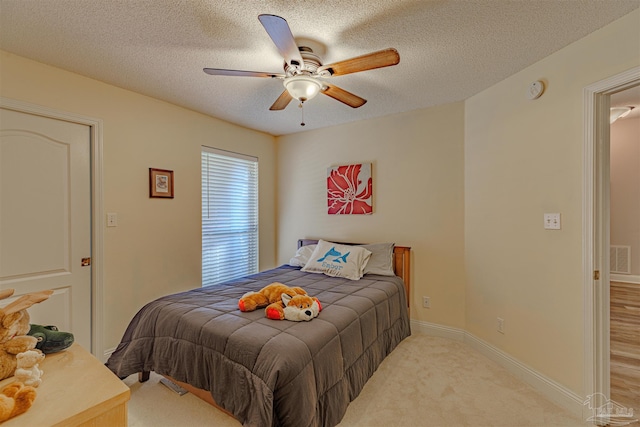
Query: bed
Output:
(266,372)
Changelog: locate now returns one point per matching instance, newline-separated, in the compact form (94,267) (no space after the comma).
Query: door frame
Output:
(595,229)
(97,220)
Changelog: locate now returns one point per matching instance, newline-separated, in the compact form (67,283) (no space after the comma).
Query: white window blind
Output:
(229,215)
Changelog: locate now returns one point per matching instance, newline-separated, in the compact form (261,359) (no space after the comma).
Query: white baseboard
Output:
(625,278)
(552,390)
(435,330)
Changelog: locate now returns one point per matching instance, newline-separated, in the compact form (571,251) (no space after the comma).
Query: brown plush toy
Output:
(14,326)
(267,295)
(15,399)
(297,308)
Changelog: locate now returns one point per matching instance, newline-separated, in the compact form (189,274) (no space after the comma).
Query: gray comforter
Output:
(268,372)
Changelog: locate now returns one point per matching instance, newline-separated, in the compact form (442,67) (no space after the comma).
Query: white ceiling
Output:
(628,98)
(449,49)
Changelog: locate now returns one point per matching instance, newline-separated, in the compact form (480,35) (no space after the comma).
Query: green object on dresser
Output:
(50,339)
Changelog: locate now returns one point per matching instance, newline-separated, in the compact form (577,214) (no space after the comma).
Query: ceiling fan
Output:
(303,70)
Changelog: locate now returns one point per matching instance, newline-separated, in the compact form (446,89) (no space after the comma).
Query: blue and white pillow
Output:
(338,260)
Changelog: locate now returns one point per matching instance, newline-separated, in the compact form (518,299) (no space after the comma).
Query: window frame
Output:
(224,260)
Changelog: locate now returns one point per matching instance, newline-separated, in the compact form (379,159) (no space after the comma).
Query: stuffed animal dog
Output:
(267,295)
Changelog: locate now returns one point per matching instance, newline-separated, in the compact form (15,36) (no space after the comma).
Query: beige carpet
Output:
(426,381)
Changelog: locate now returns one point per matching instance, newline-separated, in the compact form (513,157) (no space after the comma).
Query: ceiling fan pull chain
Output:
(301,113)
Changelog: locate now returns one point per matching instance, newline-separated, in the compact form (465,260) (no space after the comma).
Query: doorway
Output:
(624,259)
(45,190)
(596,230)
(90,336)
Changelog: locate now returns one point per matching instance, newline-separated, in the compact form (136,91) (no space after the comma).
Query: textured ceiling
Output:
(449,49)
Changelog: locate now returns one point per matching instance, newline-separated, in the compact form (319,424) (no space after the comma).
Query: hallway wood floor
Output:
(625,344)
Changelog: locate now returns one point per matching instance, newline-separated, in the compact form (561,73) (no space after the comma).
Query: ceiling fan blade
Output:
(280,33)
(281,103)
(240,73)
(343,96)
(370,61)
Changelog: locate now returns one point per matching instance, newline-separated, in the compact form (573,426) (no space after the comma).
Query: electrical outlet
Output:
(426,302)
(500,327)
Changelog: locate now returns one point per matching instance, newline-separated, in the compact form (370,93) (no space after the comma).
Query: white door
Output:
(45,218)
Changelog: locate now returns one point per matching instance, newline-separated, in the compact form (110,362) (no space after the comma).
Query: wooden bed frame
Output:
(402,268)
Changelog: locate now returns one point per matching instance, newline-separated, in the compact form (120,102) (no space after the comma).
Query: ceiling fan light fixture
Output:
(619,113)
(302,87)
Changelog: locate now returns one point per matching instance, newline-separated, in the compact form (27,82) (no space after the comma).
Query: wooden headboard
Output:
(401,261)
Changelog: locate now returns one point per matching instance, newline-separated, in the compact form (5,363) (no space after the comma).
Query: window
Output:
(229,215)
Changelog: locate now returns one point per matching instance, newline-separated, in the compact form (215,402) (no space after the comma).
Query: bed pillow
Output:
(302,256)
(381,261)
(336,260)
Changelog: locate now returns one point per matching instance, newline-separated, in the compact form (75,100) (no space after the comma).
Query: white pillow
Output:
(338,260)
(302,256)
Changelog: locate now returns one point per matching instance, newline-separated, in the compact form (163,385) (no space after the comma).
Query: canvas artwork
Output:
(350,190)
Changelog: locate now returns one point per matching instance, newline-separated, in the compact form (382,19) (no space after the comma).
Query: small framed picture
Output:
(160,183)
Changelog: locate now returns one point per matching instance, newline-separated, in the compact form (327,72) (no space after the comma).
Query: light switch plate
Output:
(552,221)
(112,220)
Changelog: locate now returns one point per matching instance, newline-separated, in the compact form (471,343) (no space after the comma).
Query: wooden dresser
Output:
(76,390)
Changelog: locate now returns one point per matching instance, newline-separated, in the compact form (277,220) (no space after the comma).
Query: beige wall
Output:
(156,248)
(519,159)
(417,165)
(625,187)
(524,158)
